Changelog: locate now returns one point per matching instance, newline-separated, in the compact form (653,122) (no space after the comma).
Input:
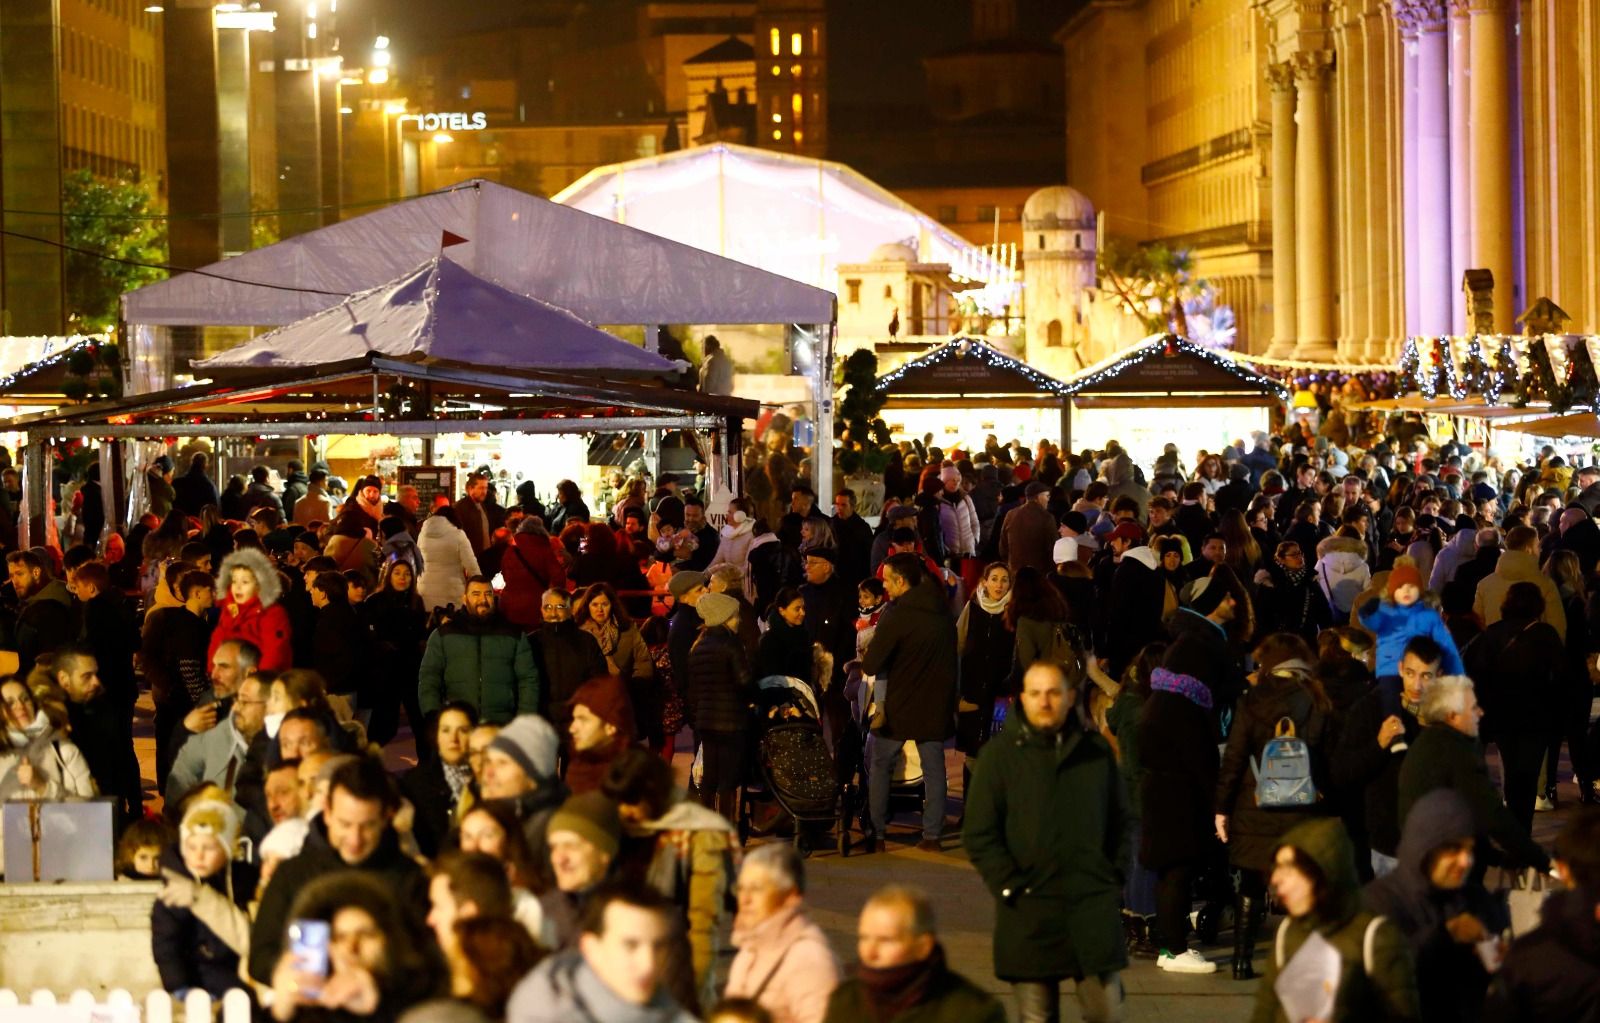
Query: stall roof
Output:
(1576,424)
(375,394)
(1169,365)
(602,272)
(969,366)
(442,311)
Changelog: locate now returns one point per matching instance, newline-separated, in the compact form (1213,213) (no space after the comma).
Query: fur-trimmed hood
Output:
(269,584)
(1342,545)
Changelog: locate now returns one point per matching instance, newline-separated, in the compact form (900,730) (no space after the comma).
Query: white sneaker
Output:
(1188,961)
(1542,804)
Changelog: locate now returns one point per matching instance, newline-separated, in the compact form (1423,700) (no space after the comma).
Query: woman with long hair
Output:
(598,612)
(986,642)
(1282,687)
(399,623)
(1037,616)
(600,560)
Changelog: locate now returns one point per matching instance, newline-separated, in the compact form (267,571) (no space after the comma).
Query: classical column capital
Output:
(1469,7)
(1281,76)
(1312,67)
(1415,16)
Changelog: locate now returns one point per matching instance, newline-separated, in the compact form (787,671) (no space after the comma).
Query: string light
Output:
(89,343)
(969,347)
(1171,344)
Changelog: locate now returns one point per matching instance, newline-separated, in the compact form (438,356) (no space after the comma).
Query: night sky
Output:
(877,44)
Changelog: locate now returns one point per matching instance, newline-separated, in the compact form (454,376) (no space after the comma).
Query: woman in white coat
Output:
(37,760)
(447,560)
(737,534)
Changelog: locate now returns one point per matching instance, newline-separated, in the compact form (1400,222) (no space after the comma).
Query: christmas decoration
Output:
(1169,346)
(972,348)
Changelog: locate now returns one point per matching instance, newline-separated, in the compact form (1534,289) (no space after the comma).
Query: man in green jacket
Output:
(1048,827)
(1447,756)
(480,658)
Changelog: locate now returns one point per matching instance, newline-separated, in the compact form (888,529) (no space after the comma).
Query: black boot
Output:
(1246,928)
(1208,922)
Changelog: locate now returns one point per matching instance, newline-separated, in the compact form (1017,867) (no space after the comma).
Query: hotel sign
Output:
(447,121)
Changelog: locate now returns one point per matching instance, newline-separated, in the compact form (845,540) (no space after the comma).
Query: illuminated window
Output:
(799,136)
(794,44)
(816,40)
(796,105)
(777,136)
(777,42)
(776,70)
(777,118)
(794,69)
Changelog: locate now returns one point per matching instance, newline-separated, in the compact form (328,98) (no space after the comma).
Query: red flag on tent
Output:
(451,238)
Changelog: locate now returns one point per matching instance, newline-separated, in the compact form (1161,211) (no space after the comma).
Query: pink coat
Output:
(786,964)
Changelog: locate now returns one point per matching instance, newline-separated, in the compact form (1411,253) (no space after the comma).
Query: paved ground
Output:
(965,910)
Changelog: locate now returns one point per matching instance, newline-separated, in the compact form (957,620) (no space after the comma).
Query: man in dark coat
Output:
(1374,740)
(1447,755)
(295,486)
(355,833)
(903,973)
(830,612)
(854,537)
(566,656)
(44,622)
(101,729)
(684,624)
(1048,828)
(1235,494)
(914,648)
(479,657)
(1135,598)
(1029,533)
(194,488)
(472,512)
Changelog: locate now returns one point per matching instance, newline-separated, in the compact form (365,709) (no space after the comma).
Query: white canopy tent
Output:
(600,271)
(440,310)
(793,215)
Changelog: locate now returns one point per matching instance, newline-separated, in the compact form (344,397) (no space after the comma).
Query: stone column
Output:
(1284,269)
(1355,181)
(1431,110)
(1314,200)
(1492,245)
(32,274)
(1461,168)
(1384,241)
(1410,178)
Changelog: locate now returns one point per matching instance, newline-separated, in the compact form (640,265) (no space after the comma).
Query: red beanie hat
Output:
(607,699)
(1404,573)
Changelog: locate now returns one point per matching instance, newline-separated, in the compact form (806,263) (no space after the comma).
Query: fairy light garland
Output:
(1171,345)
(969,348)
(83,342)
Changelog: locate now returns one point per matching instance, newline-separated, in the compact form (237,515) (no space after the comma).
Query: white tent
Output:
(441,310)
(796,216)
(600,271)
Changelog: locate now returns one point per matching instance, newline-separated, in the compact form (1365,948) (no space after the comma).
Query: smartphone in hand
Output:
(308,946)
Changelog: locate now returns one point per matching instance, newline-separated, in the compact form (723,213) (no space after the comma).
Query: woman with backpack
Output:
(1254,811)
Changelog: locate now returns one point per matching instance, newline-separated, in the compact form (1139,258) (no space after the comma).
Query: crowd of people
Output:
(1185,702)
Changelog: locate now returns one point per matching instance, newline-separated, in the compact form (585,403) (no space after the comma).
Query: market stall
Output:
(1167,389)
(438,351)
(966,388)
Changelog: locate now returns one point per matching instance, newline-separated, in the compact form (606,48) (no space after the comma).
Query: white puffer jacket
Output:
(1342,572)
(447,561)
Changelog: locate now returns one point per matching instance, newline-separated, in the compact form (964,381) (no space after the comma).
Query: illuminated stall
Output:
(1168,390)
(966,388)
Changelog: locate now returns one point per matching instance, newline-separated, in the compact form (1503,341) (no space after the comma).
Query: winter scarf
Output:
(1187,686)
(896,989)
(40,726)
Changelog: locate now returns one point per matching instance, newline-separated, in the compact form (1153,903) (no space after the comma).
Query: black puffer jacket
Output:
(915,648)
(189,954)
(1254,833)
(719,682)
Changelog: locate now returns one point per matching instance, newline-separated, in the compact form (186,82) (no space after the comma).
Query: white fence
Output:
(119,1006)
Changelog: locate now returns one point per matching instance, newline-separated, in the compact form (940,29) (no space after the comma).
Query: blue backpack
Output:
(1283,776)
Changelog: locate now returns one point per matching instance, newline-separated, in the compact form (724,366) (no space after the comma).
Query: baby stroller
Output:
(796,770)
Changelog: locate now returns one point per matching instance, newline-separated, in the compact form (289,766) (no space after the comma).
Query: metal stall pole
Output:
(33,519)
(652,438)
(1066,427)
(822,395)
